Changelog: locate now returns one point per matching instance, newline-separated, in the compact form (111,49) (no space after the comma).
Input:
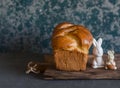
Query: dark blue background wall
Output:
(26,25)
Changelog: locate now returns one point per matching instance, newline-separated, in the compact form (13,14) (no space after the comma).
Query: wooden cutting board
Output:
(90,73)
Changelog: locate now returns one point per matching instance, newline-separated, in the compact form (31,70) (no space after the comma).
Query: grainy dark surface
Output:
(12,75)
(89,73)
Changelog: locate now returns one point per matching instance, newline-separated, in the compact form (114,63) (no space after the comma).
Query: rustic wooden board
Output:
(90,73)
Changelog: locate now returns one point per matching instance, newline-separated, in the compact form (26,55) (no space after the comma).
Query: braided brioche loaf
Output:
(71,45)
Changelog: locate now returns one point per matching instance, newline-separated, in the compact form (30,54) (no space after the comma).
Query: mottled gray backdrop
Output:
(27,25)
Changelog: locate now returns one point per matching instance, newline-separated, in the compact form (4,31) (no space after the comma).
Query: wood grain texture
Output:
(89,73)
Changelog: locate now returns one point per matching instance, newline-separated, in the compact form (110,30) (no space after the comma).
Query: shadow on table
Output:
(16,63)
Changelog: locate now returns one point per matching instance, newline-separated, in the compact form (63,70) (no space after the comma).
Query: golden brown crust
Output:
(62,25)
(67,36)
(110,67)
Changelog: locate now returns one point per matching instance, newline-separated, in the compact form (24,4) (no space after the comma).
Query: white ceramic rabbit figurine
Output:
(110,64)
(98,61)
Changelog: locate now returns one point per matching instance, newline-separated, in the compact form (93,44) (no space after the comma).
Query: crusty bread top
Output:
(67,36)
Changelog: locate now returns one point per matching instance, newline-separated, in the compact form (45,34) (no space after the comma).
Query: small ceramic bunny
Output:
(98,61)
(110,64)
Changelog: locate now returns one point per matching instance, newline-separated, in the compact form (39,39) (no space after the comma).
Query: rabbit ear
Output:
(113,51)
(108,52)
(100,41)
(94,42)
